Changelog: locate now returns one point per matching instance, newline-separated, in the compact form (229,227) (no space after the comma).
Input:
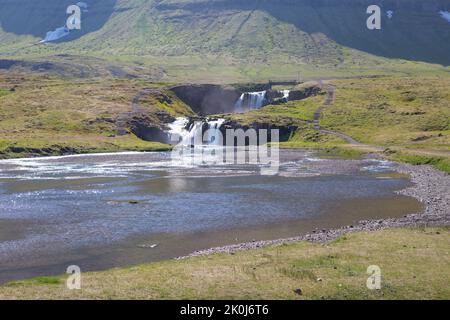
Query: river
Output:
(109,210)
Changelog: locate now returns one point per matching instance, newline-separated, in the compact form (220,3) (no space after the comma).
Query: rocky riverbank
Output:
(430,186)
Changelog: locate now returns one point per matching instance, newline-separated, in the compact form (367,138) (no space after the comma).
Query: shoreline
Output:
(37,155)
(430,187)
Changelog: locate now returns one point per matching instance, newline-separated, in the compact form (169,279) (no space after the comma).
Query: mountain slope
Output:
(190,34)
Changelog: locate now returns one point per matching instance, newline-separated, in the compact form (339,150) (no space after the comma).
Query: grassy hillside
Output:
(39,111)
(233,40)
(406,117)
(414,265)
(51,114)
(411,112)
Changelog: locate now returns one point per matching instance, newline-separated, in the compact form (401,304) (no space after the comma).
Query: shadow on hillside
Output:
(37,17)
(415,32)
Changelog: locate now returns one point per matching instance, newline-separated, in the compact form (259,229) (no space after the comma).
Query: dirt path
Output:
(328,102)
(356,144)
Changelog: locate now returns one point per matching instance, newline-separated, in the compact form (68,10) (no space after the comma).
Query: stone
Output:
(298,291)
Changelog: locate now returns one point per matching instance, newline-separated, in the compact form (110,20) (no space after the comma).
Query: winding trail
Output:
(124,118)
(356,144)
(328,102)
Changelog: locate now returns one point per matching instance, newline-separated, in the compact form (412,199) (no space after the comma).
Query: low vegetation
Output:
(47,115)
(43,115)
(415,264)
(411,114)
(440,163)
(294,111)
(389,111)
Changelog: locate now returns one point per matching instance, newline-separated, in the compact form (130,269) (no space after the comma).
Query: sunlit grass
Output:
(409,112)
(53,113)
(415,264)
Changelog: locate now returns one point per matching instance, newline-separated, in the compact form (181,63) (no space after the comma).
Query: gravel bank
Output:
(430,186)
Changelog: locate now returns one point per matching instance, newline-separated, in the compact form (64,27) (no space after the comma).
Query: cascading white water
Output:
(214,131)
(195,135)
(177,130)
(255,100)
(240,103)
(180,135)
(250,101)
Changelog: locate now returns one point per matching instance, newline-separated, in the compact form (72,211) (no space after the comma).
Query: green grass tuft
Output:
(414,263)
(440,163)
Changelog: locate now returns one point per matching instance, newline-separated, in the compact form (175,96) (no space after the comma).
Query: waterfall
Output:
(214,131)
(180,134)
(250,101)
(193,135)
(177,130)
(240,103)
(257,99)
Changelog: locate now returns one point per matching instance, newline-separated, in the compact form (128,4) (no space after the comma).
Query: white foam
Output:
(250,101)
(445,15)
(379,166)
(40,159)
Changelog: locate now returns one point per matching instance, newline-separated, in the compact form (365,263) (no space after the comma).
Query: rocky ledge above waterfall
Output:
(286,130)
(153,117)
(208,99)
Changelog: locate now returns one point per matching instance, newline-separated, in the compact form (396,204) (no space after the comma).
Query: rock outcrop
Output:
(208,99)
(285,130)
(150,127)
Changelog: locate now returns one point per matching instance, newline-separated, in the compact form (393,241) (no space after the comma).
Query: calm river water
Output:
(108,210)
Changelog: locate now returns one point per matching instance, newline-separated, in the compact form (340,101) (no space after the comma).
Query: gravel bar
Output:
(430,186)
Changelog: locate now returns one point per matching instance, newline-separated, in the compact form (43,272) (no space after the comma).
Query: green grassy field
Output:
(407,116)
(409,112)
(440,163)
(410,116)
(415,264)
(51,113)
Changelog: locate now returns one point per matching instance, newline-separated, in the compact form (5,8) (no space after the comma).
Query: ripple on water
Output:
(67,206)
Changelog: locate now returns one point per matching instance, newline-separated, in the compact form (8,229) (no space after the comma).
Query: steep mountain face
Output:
(315,29)
(36,17)
(321,32)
